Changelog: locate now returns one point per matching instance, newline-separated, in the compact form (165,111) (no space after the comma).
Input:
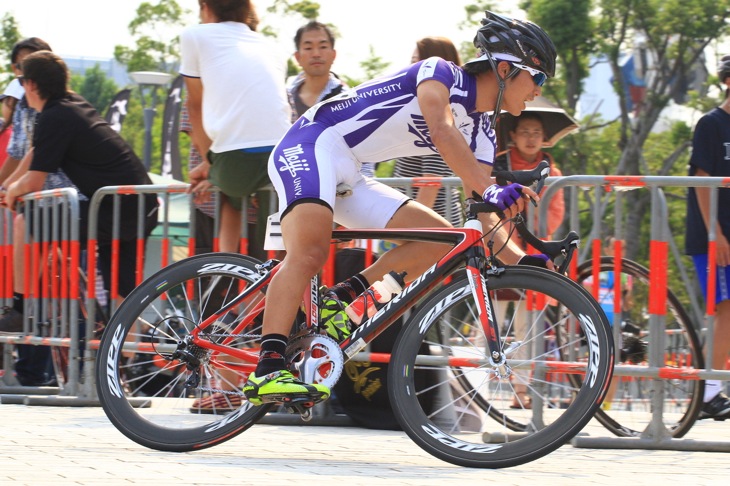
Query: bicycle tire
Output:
(442,417)
(159,313)
(631,415)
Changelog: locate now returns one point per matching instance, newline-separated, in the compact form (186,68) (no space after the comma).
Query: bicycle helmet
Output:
(504,38)
(723,68)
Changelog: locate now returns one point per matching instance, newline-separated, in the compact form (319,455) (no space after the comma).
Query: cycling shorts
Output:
(309,163)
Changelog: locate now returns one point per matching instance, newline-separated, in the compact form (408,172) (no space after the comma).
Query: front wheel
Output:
(446,393)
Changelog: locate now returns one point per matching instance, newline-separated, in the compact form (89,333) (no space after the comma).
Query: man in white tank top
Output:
(238,108)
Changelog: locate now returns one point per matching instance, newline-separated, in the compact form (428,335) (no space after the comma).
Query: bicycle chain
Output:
(217,390)
(232,335)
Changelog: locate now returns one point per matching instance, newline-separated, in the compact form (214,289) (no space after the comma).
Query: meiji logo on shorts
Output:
(290,161)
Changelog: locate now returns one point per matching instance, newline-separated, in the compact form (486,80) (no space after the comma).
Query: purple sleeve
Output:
(437,69)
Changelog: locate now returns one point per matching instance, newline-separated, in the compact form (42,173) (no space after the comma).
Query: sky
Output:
(91,28)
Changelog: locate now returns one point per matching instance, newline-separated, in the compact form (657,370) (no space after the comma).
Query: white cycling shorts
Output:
(310,162)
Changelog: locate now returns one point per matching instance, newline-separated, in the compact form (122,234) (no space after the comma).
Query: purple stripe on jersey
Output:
(374,119)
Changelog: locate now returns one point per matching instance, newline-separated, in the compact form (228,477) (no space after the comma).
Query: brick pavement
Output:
(75,445)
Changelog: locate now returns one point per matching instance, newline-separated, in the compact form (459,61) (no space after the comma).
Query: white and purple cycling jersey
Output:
(374,122)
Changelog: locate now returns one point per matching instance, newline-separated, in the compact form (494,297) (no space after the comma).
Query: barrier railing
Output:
(82,386)
(50,253)
(656,436)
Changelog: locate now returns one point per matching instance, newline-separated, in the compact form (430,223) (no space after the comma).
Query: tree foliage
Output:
(9,36)
(156,44)
(573,36)
(305,8)
(95,87)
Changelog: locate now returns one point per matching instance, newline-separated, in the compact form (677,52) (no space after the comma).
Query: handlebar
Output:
(562,249)
(525,177)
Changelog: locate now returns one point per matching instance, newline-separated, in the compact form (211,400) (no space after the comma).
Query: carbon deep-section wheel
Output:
(446,393)
(162,389)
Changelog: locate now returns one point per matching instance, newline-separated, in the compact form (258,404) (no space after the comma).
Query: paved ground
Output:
(74,445)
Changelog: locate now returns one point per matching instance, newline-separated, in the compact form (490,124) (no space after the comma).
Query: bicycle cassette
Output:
(316,359)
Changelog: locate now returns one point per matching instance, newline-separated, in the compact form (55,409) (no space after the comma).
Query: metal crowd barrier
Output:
(80,384)
(50,253)
(656,436)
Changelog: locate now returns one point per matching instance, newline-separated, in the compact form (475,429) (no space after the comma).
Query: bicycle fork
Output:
(476,273)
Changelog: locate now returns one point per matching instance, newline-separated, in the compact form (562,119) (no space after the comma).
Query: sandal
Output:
(217,403)
(522,401)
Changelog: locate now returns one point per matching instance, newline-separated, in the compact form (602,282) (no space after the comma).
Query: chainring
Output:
(316,359)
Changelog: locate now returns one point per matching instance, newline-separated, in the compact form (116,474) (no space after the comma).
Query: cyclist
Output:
(432,106)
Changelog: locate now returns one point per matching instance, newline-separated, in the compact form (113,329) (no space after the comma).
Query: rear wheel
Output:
(192,399)
(444,389)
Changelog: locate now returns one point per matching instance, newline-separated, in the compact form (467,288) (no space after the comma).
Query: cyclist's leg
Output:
(306,229)
(305,168)
(412,257)
(375,205)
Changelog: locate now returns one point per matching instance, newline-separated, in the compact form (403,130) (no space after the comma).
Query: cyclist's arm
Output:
(433,99)
(703,201)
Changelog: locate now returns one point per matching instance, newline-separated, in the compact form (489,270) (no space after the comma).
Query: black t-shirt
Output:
(711,153)
(70,135)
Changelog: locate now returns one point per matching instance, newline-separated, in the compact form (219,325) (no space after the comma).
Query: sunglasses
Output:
(538,77)
(21,80)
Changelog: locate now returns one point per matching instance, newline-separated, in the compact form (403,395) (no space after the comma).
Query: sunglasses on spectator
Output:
(538,77)
(21,80)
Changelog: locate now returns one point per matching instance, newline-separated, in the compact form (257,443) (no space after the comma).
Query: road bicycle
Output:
(627,411)
(202,317)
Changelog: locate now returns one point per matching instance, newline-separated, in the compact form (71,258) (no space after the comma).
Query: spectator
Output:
(70,135)
(238,110)
(4,140)
(710,157)
(433,165)
(9,99)
(34,365)
(315,54)
(528,135)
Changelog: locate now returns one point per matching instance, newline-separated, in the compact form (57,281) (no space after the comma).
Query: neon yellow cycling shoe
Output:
(282,387)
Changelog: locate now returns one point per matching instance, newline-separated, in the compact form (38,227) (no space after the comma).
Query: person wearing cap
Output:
(711,157)
(431,106)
